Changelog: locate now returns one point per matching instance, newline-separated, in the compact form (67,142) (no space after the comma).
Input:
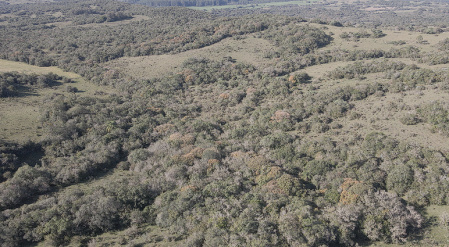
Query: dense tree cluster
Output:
(359,69)
(206,170)
(295,39)
(376,33)
(10,83)
(13,155)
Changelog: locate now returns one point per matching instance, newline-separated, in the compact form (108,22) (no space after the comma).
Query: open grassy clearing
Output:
(19,120)
(378,8)
(248,50)
(319,71)
(19,116)
(56,14)
(382,114)
(383,43)
(437,234)
(8,66)
(408,61)
(135,18)
(85,88)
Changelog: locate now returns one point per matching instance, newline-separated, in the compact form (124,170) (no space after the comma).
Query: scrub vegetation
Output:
(123,124)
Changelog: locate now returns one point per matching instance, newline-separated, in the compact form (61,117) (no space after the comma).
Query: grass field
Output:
(135,18)
(247,50)
(383,43)
(383,114)
(437,234)
(19,116)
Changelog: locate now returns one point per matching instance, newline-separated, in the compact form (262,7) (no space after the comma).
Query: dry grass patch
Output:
(8,66)
(382,114)
(383,43)
(19,116)
(320,70)
(437,234)
(85,88)
(19,120)
(135,18)
(117,23)
(248,50)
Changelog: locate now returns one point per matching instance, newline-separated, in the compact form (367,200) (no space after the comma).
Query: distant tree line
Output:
(197,3)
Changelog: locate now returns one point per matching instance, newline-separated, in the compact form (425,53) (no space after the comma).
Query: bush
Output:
(400,178)
(71,89)
(26,183)
(300,78)
(409,119)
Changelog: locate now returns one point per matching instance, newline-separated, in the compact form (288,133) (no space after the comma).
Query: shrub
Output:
(409,119)
(71,89)
(300,78)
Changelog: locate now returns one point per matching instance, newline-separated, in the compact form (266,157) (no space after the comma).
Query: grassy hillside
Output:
(20,116)
(246,49)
